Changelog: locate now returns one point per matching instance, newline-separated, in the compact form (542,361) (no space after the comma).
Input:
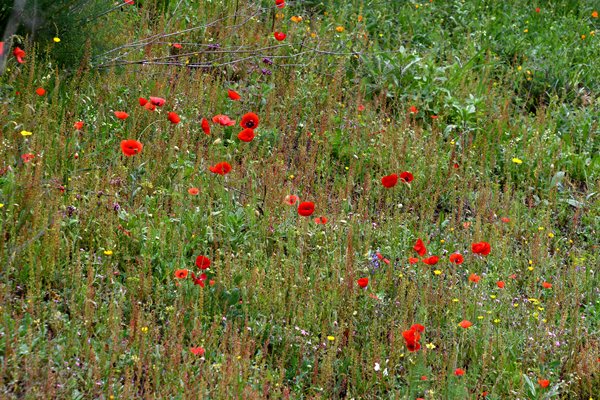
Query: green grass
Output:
(91,239)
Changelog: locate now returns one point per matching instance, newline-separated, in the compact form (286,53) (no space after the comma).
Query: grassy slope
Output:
(80,321)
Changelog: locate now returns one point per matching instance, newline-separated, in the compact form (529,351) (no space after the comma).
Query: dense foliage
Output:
(302,199)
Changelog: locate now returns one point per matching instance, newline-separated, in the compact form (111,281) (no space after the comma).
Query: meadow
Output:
(347,199)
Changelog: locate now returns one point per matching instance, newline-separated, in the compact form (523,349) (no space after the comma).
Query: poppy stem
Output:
(237,4)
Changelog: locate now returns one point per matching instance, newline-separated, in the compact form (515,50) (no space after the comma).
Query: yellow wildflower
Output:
(339,29)
(26,133)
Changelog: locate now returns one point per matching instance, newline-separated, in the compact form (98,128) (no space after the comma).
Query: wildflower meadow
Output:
(299,199)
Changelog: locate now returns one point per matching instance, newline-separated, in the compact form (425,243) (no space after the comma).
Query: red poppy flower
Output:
(78,125)
(142,101)
(279,36)
(202,262)
(247,135)
(205,126)
(544,383)
(280,3)
(547,285)
(131,147)
(474,278)
(306,208)
(413,346)
(291,199)
(181,273)
(459,372)
(197,351)
(221,168)
(27,157)
(130,2)
(199,280)
(431,260)
(19,54)
(249,121)
(537,10)
(413,260)
(40,91)
(406,177)
(193,191)
(121,114)
(423,377)
(434,117)
(505,220)
(513,276)
(465,324)
(413,110)
(500,284)
(233,95)
(389,181)
(412,336)
(420,248)
(361,108)
(363,282)
(223,120)
(149,106)
(1,48)
(456,258)
(157,101)
(173,117)
(482,248)
(321,220)
(177,45)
